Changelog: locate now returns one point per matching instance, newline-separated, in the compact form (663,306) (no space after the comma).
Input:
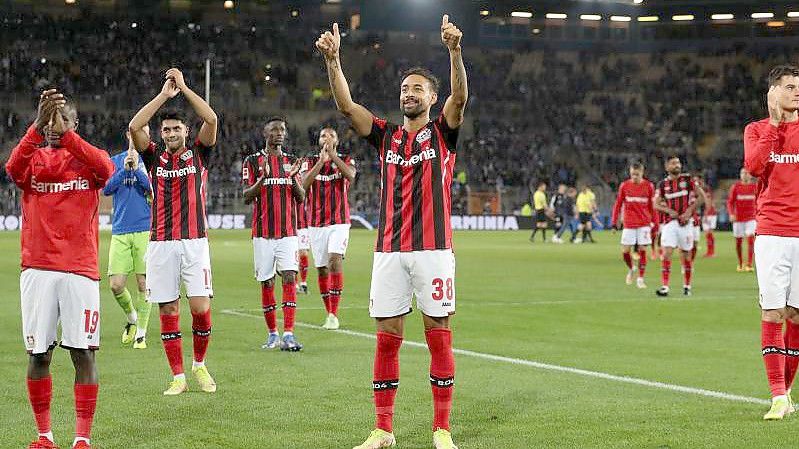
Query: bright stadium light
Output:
(485,12)
(590,17)
(776,24)
(228,4)
(522,14)
(793,14)
(620,18)
(762,15)
(69,2)
(134,25)
(556,15)
(648,18)
(722,17)
(638,2)
(682,17)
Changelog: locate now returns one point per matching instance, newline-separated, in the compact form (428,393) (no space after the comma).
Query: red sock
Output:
(442,374)
(628,260)
(386,378)
(791,338)
(40,392)
(751,243)
(773,356)
(739,241)
(303,267)
(289,306)
(324,282)
(269,307)
(641,263)
(711,244)
(85,404)
(665,272)
(687,268)
(201,331)
(173,342)
(336,284)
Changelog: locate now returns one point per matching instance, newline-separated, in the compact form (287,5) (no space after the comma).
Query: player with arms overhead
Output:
(742,207)
(413,255)
(677,199)
(771,153)
(636,198)
(178,248)
(272,186)
(327,179)
(60,185)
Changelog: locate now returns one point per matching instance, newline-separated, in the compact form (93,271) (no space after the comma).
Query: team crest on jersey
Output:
(683,184)
(31,341)
(423,135)
(187,155)
(287,167)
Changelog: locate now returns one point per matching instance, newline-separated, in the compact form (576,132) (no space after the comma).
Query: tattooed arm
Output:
(456,102)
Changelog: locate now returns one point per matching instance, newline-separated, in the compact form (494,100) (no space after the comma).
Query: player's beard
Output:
(176,145)
(415,112)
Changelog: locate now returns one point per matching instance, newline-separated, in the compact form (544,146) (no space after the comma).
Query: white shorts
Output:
(672,235)
(52,296)
(304,239)
(777,266)
(397,277)
(709,222)
(743,228)
(697,233)
(633,236)
(328,240)
(274,256)
(170,261)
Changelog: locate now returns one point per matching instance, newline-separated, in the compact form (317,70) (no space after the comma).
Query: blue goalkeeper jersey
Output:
(132,193)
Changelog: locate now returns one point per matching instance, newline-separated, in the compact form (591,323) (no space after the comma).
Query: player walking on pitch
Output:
(413,255)
(771,153)
(742,206)
(60,185)
(272,186)
(677,200)
(130,232)
(326,179)
(178,248)
(636,198)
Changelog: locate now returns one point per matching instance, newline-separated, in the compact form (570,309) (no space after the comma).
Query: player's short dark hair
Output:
(425,73)
(672,156)
(276,118)
(172,114)
(636,165)
(776,74)
(328,126)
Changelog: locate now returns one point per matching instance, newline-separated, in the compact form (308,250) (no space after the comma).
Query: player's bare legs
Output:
(626,255)
(686,257)
(118,284)
(143,310)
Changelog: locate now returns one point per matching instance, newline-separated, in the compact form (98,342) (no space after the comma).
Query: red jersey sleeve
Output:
(760,139)
(18,165)
(614,220)
(248,172)
(376,136)
(731,199)
(98,161)
(450,135)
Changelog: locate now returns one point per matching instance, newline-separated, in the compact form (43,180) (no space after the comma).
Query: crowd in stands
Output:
(533,115)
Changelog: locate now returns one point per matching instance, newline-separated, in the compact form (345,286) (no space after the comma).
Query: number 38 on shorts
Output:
(398,277)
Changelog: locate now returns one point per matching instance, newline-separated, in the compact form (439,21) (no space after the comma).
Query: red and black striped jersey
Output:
(274,210)
(302,214)
(179,191)
(327,197)
(678,194)
(415,181)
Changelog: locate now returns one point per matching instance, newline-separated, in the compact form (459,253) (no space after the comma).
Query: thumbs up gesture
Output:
(450,34)
(329,43)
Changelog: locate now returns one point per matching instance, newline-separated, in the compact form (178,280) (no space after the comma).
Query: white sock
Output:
(133,317)
(48,435)
(181,376)
(196,364)
(141,332)
(287,333)
(80,439)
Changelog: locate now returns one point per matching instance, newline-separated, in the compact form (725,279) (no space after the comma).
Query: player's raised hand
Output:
(264,171)
(295,167)
(329,43)
(49,101)
(57,123)
(170,89)
(177,76)
(775,112)
(450,34)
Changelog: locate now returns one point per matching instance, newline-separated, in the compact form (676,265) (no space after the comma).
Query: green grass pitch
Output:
(564,305)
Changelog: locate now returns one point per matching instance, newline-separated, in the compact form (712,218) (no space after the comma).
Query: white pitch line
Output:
(549,367)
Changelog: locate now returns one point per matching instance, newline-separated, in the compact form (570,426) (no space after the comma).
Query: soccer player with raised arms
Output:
(271,184)
(413,255)
(60,280)
(130,232)
(771,153)
(327,178)
(178,248)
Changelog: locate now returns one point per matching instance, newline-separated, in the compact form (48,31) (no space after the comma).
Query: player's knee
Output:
(82,358)
(169,308)
(336,263)
(117,285)
(390,325)
(289,277)
(774,315)
(142,284)
(269,282)
(41,361)
(323,271)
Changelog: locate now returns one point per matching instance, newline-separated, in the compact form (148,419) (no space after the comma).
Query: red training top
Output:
(639,208)
(742,201)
